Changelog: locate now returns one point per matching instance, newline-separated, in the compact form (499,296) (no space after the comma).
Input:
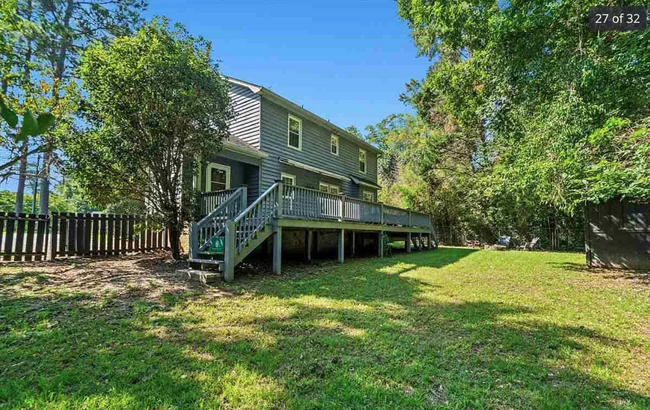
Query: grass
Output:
(450,328)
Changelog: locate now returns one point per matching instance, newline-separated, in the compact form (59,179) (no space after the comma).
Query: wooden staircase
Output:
(242,231)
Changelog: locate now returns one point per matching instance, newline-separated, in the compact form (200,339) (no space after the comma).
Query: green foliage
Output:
(531,94)
(155,101)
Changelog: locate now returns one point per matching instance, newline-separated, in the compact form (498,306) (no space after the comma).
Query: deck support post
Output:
(318,241)
(310,243)
(407,242)
(380,244)
(341,245)
(354,244)
(420,245)
(229,252)
(277,249)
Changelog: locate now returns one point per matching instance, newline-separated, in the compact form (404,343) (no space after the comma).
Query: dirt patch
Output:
(145,277)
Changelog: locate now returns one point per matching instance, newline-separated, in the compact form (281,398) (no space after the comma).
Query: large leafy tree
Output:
(155,102)
(548,111)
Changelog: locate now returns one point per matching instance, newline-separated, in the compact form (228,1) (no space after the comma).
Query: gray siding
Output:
(246,124)
(315,152)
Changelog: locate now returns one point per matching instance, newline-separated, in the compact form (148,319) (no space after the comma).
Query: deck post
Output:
(229,252)
(381,213)
(194,241)
(407,242)
(279,198)
(310,243)
(380,245)
(354,243)
(341,245)
(342,208)
(410,218)
(244,197)
(277,250)
(420,246)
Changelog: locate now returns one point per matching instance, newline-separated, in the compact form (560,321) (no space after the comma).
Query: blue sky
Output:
(347,61)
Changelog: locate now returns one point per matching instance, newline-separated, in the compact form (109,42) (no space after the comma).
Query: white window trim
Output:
(338,149)
(208,175)
(329,186)
(365,160)
(289,118)
(368,192)
(284,175)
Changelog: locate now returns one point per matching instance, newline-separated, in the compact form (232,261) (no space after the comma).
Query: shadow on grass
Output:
(361,337)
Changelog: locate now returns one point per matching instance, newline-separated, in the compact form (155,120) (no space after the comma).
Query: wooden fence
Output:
(38,237)
(23,236)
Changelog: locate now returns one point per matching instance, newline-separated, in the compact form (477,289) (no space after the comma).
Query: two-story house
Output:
(285,168)
(275,139)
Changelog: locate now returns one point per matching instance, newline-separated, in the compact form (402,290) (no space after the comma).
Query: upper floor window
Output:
(294,137)
(334,145)
(362,161)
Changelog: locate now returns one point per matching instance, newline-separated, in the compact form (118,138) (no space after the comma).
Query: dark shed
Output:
(618,235)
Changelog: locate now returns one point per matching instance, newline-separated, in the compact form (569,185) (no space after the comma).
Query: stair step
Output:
(207,261)
(197,275)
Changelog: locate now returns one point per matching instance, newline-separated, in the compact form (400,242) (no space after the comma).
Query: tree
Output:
(526,84)
(155,102)
(69,26)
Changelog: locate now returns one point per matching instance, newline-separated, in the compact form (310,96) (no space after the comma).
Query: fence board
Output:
(20,237)
(29,243)
(118,233)
(9,238)
(125,234)
(41,237)
(95,222)
(87,233)
(109,238)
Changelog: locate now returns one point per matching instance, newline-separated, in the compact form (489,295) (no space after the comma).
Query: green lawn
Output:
(449,328)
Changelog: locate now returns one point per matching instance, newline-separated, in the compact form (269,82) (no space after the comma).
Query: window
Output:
(329,188)
(288,179)
(362,161)
(334,145)
(294,137)
(368,196)
(217,177)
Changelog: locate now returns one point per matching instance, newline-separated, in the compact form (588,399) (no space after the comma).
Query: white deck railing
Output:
(306,203)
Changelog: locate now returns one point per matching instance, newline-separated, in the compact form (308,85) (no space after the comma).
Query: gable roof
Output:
(278,99)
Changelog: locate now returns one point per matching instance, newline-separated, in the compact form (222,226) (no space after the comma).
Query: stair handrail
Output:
(215,222)
(259,213)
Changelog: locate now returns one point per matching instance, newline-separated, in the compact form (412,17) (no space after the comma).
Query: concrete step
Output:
(197,275)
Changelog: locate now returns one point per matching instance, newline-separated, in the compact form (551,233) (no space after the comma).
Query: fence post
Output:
(280,199)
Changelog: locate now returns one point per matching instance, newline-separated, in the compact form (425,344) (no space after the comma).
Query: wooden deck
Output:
(243,228)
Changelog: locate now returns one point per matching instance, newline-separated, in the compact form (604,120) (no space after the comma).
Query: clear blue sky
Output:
(347,61)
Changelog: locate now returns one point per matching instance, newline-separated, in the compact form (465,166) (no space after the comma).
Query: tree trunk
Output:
(44,201)
(58,79)
(175,240)
(22,170)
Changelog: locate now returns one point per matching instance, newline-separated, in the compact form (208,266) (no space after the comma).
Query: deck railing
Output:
(306,203)
(209,201)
